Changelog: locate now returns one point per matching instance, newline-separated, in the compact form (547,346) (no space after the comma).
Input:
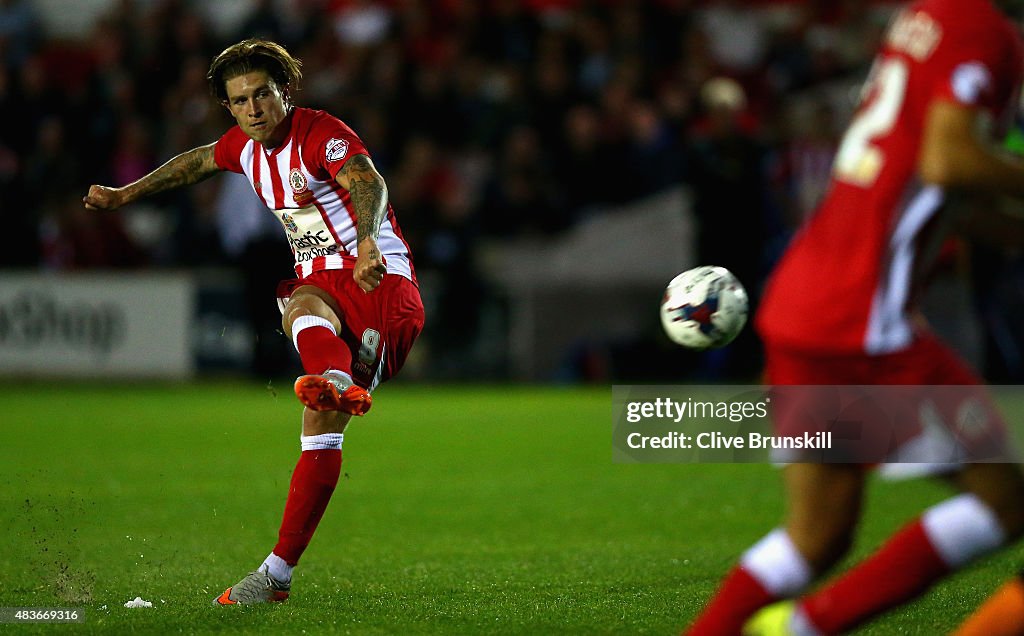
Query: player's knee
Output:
(306,304)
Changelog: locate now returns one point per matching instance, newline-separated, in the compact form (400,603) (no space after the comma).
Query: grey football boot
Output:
(256,587)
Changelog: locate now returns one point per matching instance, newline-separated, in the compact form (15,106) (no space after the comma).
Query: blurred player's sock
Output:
(945,538)
(312,485)
(319,346)
(770,570)
(1001,615)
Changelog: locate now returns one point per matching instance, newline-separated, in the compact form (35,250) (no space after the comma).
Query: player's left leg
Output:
(313,482)
(823,507)
(313,320)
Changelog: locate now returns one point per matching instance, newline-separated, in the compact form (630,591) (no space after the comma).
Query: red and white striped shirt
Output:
(296,180)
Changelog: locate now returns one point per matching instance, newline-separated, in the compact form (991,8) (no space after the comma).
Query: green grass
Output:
(460,511)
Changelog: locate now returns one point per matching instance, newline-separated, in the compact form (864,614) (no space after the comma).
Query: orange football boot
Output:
(332,391)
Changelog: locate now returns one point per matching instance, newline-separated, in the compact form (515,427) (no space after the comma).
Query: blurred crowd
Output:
(490,120)
(500,117)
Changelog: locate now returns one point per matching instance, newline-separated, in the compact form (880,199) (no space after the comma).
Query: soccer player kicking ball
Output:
(839,310)
(354,309)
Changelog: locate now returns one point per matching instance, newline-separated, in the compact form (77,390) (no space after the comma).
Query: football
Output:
(704,308)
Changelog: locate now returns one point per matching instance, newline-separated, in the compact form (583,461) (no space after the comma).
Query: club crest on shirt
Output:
(300,187)
(289,222)
(336,149)
(297,181)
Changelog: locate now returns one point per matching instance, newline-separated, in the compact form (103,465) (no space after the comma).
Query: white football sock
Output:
(324,441)
(305,322)
(342,373)
(961,529)
(277,568)
(777,565)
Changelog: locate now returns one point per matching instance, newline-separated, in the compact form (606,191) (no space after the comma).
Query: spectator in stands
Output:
(520,198)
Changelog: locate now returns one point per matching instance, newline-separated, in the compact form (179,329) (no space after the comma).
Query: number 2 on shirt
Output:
(858,160)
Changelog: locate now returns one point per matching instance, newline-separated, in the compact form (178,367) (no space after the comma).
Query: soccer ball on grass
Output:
(704,308)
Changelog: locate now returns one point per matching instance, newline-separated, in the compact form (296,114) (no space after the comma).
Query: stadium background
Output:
(552,162)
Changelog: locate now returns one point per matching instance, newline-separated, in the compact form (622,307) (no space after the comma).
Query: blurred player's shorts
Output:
(921,406)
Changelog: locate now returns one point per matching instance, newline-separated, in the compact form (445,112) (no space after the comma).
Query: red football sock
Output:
(319,346)
(312,485)
(899,571)
(739,596)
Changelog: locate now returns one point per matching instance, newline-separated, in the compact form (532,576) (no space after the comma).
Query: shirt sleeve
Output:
(976,69)
(330,144)
(228,150)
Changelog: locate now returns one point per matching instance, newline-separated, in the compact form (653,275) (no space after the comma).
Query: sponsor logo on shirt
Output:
(289,223)
(336,149)
(307,234)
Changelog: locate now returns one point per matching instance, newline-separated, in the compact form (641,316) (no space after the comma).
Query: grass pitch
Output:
(460,511)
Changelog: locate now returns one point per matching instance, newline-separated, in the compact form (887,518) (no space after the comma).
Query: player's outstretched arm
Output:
(187,168)
(369,196)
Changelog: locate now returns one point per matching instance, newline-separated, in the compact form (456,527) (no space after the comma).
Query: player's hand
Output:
(103,198)
(370,269)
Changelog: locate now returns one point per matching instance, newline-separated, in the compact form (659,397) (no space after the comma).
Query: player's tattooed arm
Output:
(369,197)
(187,168)
(368,193)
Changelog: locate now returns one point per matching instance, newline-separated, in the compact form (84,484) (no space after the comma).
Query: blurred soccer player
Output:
(839,310)
(354,310)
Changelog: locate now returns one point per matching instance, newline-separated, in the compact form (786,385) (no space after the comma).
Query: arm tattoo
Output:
(185,169)
(369,195)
